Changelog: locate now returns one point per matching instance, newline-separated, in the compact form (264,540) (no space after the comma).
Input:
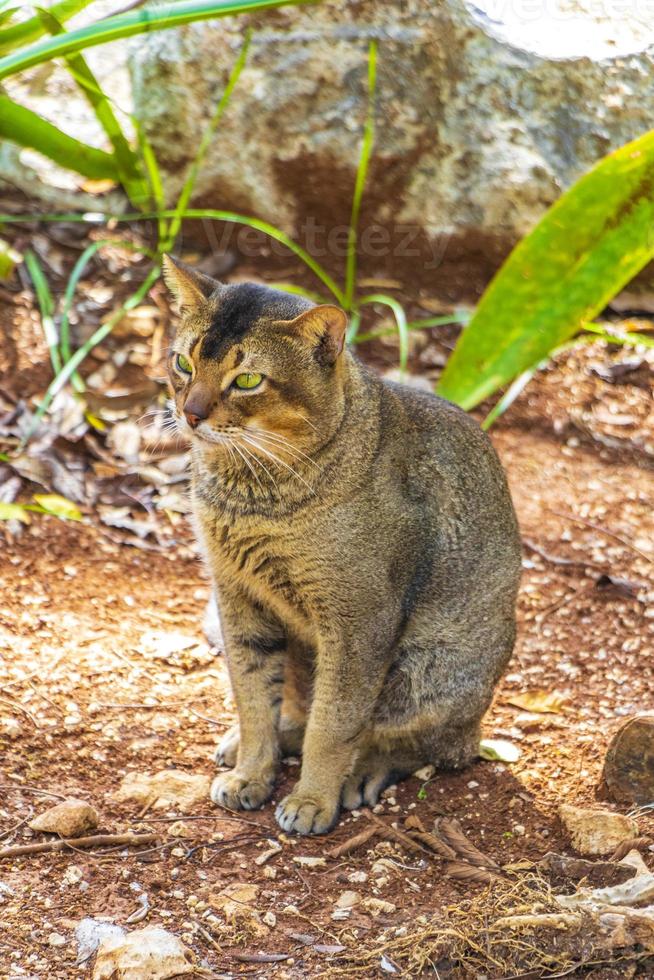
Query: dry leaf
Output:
(542,702)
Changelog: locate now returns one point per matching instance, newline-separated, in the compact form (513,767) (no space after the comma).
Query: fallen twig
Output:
(605,530)
(451,831)
(353,842)
(560,560)
(418,831)
(400,836)
(629,845)
(99,840)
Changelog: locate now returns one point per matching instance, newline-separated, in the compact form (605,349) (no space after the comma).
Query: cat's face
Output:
(252,367)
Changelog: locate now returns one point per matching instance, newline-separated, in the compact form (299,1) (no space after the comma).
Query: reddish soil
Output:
(85,701)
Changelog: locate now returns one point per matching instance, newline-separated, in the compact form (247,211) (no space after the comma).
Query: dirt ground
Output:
(105,671)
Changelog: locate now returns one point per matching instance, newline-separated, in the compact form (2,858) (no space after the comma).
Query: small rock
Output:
(180,829)
(377,906)
(634,859)
(56,939)
(72,875)
(357,877)
(72,818)
(90,933)
(146,954)
(425,773)
(270,919)
(10,727)
(347,900)
(310,862)
(596,831)
(170,788)
(235,902)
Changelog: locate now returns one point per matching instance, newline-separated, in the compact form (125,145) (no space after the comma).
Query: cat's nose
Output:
(198,406)
(193,419)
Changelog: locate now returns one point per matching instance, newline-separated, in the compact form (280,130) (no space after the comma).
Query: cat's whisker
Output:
(283,442)
(239,450)
(281,462)
(305,419)
(261,464)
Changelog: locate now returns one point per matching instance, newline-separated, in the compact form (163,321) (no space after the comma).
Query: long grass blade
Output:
(194,169)
(427,323)
(212,214)
(160,17)
(360,182)
(127,162)
(68,370)
(22,126)
(156,184)
(46,307)
(615,336)
(33,28)
(400,320)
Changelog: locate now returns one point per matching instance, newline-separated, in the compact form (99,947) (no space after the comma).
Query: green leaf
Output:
(140,21)
(127,162)
(46,308)
(32,29)
(22,126)
(9,259)
(360,181)
(205,142)
(583,251)
(6,15)
(497,750)
(14,512)
(53,503)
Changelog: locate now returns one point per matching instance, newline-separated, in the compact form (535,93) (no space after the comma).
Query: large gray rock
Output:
(482,120)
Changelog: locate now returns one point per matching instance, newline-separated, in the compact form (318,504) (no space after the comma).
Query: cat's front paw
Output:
(301,814)
(227,750)
(235,791)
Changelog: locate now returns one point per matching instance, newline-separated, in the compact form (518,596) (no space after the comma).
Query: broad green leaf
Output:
(139,21)
(22,126)
(14,512)
(53,503)
(583,251)
(498,750)
(32,29)
(127,162)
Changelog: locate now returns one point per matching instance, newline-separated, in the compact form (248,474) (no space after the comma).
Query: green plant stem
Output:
(194,169)
(238,219)
(22,126)
(433,321)
(400,319)
(626,338)
(360,182)
(33,28)
(46,308)
(96,338)
(127,162)
(160,17)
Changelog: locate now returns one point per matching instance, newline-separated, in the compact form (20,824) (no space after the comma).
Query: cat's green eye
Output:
(248,381)
(183,364)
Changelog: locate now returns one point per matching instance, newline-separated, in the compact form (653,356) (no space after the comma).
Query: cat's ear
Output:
(190,288)
(324,328)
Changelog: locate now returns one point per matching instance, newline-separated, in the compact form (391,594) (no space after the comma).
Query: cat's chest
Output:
(268,562)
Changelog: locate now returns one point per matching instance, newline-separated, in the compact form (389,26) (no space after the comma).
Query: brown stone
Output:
(629,764)
(72,818)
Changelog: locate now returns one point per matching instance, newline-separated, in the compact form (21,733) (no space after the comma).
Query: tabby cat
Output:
(362,545)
